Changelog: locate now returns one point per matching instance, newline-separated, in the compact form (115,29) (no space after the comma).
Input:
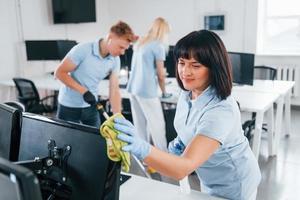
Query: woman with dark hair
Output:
(210,140)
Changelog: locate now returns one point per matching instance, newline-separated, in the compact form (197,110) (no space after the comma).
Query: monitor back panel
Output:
(87,164)
(9,132)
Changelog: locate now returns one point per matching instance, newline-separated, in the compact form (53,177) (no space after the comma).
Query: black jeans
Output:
(88,116)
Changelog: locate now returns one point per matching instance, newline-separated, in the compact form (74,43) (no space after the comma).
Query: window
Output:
(278,27)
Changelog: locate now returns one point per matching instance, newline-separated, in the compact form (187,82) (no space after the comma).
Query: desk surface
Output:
(251,98)
(48,81)
(252,101)
(267,86)
(148,189)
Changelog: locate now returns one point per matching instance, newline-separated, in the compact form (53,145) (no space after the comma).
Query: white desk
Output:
(259,103)
(258,98)
(148,189)
(48,82)
(283,89)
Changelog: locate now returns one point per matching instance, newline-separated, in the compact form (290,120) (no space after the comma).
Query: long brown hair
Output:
(208,49)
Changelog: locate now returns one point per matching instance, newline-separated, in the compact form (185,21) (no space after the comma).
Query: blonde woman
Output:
(146,76)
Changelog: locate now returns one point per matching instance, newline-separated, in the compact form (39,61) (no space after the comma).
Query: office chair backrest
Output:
(28,93)
(265,72)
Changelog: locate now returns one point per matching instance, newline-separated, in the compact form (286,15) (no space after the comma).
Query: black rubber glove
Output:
(89,98)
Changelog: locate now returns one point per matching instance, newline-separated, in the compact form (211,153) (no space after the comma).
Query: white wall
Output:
(186,16)
(8,39)
(141,13)
(32,20)
(240,22)
(22,20)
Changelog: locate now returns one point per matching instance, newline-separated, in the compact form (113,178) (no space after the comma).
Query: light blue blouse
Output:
(143,77)
(232,171)
(91,69)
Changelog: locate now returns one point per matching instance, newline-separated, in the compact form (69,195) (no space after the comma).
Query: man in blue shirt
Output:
(84,67)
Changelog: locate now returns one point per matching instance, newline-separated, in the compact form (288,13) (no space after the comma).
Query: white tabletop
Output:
(267,86)
(252,101)
(251,98)
(148,189)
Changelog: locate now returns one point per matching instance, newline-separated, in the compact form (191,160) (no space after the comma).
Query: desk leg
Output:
(278,123)
(287,114)
(271,132)
(257,133)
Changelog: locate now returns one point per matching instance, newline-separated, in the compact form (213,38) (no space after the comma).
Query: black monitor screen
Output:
(88,166)
(48,49)
(170,63)
(126,58)
(73,11)
(242,67)
(214,22)
(9,132)
(64,46)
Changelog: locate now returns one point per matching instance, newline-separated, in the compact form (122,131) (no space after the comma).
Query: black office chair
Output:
(247,126)
(265,72)
(29,96)
(262,73)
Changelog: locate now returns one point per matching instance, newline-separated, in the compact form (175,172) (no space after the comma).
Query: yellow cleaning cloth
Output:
(114,145)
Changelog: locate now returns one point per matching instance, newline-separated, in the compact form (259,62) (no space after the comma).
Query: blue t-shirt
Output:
(232,171)
(143,77)
(91,69)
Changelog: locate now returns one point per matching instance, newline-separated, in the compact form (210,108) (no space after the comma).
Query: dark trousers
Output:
(88,116)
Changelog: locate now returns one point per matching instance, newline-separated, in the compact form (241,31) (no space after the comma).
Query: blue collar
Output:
(203,99)
(96,50)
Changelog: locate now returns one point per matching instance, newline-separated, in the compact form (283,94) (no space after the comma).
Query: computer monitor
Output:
(242,67)
(17,182)
(10,123)
(89,172)
(48,49)
(73,11)
(126,58)
(64,46)
(170,63)
(214,22)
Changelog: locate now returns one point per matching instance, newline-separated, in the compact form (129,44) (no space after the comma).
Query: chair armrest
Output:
(48,97)
(26,98)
